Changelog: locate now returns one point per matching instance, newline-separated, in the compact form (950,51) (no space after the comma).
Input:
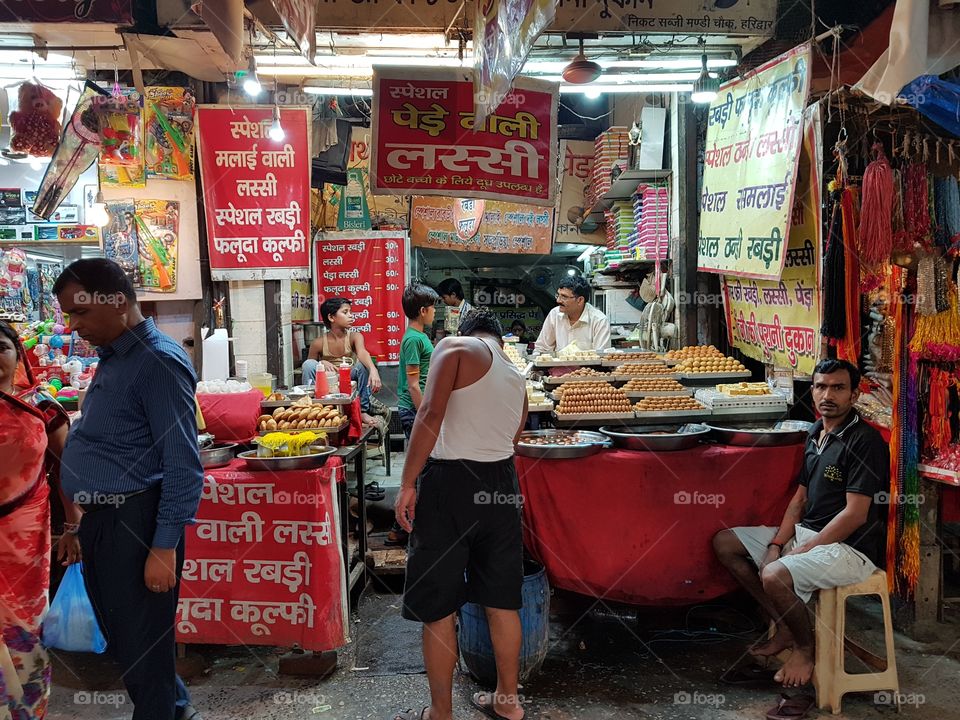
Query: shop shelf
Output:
(623,188)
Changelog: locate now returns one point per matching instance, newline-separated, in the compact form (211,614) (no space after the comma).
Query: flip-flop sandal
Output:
(402,537)
(791,708)
(748,675)
(374,493)
(409,714)
(487,709)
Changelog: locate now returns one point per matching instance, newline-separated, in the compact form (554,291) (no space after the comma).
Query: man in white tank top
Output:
(460,500)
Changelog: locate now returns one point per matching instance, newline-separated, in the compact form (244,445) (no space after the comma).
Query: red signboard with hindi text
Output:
(263,561)
(256,191)
(425,142)
(369,270)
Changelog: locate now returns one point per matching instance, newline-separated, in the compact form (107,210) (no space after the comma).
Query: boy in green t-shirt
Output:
(415,352)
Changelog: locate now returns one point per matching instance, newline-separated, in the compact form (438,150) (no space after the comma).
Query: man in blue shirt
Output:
(132,463)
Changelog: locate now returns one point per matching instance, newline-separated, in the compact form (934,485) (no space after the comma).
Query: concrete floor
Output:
(604,663)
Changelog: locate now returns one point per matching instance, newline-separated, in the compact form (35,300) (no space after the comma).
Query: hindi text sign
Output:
(263,562)
(756,18)
(778,321)
(369,269)
(425,143)
(256,191)
(497,227)
(576,170)
(754,132)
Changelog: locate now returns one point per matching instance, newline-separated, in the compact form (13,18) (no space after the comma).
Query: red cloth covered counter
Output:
(263,561)
(231,417)
(636,527)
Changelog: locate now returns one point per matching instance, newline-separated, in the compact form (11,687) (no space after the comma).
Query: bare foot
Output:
(782,640)
(505,706)
(797,670)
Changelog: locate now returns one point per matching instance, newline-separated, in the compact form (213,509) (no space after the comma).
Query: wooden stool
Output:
(830,677)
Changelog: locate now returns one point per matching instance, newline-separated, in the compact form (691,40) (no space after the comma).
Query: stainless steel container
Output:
(217,455)
(789,432)
(657,438)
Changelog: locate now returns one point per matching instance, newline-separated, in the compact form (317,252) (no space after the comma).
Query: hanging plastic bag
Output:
(70,623)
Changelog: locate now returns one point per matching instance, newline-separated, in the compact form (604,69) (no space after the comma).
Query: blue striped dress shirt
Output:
(138,429)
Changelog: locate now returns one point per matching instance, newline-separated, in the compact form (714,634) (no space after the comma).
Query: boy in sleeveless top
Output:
(460,500)
(338,342)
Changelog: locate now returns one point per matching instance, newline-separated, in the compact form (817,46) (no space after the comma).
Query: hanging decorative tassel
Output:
(848,347)
(947,201)
(876,216)
(834,276)
(896,446)
(941,283)
(926,286)
(910,537)
(936,424)
(916,205)
(937,337)
(901,239)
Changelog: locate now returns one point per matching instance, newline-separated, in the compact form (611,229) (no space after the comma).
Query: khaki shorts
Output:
(824,567)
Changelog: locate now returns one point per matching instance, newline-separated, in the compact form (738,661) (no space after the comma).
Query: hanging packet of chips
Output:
(168,115)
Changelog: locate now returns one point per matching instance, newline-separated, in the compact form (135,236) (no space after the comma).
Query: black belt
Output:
(115,505)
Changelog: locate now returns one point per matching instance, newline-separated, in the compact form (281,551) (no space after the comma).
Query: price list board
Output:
(369,270)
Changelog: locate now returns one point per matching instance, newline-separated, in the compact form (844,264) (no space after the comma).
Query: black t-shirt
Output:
(851,459)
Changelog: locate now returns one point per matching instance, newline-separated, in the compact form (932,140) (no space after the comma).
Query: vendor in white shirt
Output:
(574,320)
(451,292)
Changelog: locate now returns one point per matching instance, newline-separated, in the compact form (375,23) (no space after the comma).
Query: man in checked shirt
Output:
(132,463)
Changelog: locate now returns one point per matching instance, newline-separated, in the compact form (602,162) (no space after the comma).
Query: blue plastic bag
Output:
(70,623)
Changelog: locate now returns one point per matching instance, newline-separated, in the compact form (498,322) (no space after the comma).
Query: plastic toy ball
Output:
(58,329)
(52,391)
(56,342)
(57,383)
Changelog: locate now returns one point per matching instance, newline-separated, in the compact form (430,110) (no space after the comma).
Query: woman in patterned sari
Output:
(33,429)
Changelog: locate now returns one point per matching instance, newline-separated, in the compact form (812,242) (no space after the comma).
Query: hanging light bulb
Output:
(706,86)
(98,214)
(251,83)
(276,132)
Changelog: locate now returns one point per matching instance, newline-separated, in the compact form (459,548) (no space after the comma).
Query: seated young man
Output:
(338,342)
(833,532)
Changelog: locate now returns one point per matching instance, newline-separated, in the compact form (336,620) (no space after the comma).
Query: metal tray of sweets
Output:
(589,443)
(316,458)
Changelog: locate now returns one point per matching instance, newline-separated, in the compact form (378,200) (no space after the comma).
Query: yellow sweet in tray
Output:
(281,444)
(744,388)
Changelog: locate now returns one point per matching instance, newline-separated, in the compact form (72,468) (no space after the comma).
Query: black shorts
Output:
(467,541)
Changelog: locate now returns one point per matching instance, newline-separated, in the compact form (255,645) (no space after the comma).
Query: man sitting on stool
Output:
(833,532)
